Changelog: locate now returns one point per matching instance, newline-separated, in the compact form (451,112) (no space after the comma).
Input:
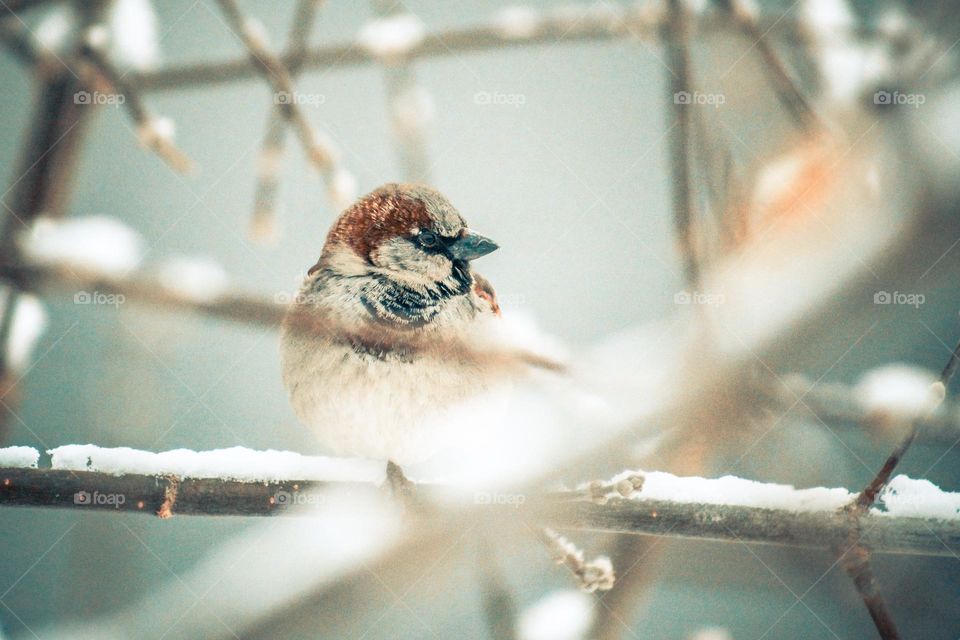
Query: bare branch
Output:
(856,558)
(784,84)
(263,223)
(19,41)
(147,125)
(258,310)
(678,65)
(275,71)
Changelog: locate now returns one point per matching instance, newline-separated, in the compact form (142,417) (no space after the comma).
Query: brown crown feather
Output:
(381,214)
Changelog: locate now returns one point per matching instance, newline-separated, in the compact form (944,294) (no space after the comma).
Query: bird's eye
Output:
(428,239)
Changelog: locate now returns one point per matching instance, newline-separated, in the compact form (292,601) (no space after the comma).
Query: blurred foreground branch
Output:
(257,310)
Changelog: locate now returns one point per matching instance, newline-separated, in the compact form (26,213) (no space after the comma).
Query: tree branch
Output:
(856,557)
(613,22)
(572,510)
(678,65)
(263,223)
(275,71)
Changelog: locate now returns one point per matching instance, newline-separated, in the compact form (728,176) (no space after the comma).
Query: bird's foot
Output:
(401,488)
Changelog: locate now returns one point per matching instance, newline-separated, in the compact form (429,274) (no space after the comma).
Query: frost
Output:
(517,22)
(391,37)
(235,463)
(197,278)
(900,392)
(95,243)
(29,323)
(133,30)
(560,615)
(19,457)
(908,497)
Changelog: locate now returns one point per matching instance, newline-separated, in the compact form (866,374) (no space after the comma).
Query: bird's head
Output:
(409,233)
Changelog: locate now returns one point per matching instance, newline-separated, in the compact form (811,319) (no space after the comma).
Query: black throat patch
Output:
(403,306)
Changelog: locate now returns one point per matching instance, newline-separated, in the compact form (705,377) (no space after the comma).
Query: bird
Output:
(375,345)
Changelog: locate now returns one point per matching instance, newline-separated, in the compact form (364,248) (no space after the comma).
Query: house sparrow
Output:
(394,274)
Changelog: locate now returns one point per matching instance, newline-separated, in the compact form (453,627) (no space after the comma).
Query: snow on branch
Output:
(911,516)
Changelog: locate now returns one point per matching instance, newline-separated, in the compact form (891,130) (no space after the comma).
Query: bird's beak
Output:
(471,245)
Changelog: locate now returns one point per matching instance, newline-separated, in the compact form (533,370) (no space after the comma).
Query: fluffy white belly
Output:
(359,405)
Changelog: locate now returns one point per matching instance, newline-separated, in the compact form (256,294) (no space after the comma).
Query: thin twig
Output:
(403,100)
(592,575)
(275,71)
(147,125)
(678,64)
(785,86)
(855,555)
(869,494)
(263,222)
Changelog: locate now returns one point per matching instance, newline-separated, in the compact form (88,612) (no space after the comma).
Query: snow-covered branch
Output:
(911,516)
